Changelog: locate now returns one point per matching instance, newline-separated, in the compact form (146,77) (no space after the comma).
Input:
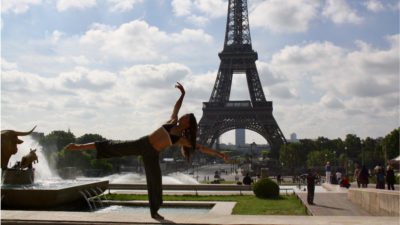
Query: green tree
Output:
(291,155)
(325,143)
(102,165)
(371,152)
(87,138)
(56,141)
(318,159)
(339,146)
(391,144)
(308,145)
(353,145)
(79,159)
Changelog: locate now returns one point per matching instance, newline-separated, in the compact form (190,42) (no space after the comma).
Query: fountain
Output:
(19,190)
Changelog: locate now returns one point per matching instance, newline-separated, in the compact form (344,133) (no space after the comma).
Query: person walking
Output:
(380,178)
(179,132)
(390,178)
(339,177)
(310,187)
(356,175)
(364,175)
(328,172)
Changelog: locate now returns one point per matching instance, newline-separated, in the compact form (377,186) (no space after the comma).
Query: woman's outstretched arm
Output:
(80,147)
(212,152)
(178,104)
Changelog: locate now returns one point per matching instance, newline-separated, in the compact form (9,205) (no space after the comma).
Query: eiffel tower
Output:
(221,115)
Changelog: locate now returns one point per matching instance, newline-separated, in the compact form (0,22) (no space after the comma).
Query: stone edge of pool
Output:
(218,207)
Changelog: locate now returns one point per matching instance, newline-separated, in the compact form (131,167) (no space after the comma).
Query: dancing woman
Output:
(181,132)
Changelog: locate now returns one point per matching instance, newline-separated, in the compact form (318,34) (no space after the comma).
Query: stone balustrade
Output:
(376,201)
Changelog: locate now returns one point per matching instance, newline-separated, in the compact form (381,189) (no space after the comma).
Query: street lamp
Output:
(345,150)
(334,159)
(362,154)
(252,154)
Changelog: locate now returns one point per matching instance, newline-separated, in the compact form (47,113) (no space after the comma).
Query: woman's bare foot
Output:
(157,216)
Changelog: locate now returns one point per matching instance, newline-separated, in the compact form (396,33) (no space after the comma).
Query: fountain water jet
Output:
(49,191)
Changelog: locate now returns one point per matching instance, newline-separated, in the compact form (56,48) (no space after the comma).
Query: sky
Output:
(331,67)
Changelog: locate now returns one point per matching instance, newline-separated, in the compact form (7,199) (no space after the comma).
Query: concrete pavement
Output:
(73,218)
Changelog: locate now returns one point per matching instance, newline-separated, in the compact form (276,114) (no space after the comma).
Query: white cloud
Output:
(198,20)
(364,80)
(56,35)
(199,12)
(332,102)
(374,5)
(137,41)
(17,6)
(7,65)
(138,99)
(340,12)
(123,5)
(181,7)
(284,16)
(212,8)
(63,5)
(82,78)
(283,92)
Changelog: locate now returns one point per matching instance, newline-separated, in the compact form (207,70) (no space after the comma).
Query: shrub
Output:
(266,188)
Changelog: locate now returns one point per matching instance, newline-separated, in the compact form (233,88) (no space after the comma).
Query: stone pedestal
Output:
(17,176)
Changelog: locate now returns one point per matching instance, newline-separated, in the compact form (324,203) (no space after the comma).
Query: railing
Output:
(237,104)
(185,187)
(191,187)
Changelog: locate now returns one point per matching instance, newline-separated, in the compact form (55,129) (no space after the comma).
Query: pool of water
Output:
(51,184)
(146,209)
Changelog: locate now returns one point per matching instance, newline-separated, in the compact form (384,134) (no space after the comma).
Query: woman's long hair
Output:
(190,133)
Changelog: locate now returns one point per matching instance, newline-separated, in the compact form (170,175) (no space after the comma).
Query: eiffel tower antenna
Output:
(221,115)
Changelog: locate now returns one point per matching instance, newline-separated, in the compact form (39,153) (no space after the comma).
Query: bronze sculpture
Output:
(9,142)
(28,159)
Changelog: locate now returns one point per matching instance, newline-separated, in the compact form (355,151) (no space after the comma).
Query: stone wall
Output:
(377,202)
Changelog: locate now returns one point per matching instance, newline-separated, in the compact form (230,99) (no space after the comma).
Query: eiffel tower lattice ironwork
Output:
(221,115)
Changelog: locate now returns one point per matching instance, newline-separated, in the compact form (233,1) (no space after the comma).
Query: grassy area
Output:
(246,204)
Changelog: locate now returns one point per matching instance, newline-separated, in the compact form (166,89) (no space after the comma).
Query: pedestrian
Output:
(345,182)
(257,177)
(279,179)
(328,172)
(333,179)
(178,132)
(390,178)
(310,187)
(364,175)
(380,178)
(339,177)
(247,180)
(356,175)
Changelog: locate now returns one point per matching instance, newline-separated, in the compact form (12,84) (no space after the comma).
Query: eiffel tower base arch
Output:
(218,119)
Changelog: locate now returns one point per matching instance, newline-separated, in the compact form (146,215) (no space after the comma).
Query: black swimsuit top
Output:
(172,138)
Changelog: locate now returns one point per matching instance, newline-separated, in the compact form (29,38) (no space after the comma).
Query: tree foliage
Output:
(352,151)
(54,146)
(391,144)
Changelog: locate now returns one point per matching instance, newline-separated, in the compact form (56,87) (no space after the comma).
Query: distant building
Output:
(293,138)
(240,137)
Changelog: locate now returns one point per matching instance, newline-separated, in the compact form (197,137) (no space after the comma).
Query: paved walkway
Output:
(331,208)
(332,204)
(11,217)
